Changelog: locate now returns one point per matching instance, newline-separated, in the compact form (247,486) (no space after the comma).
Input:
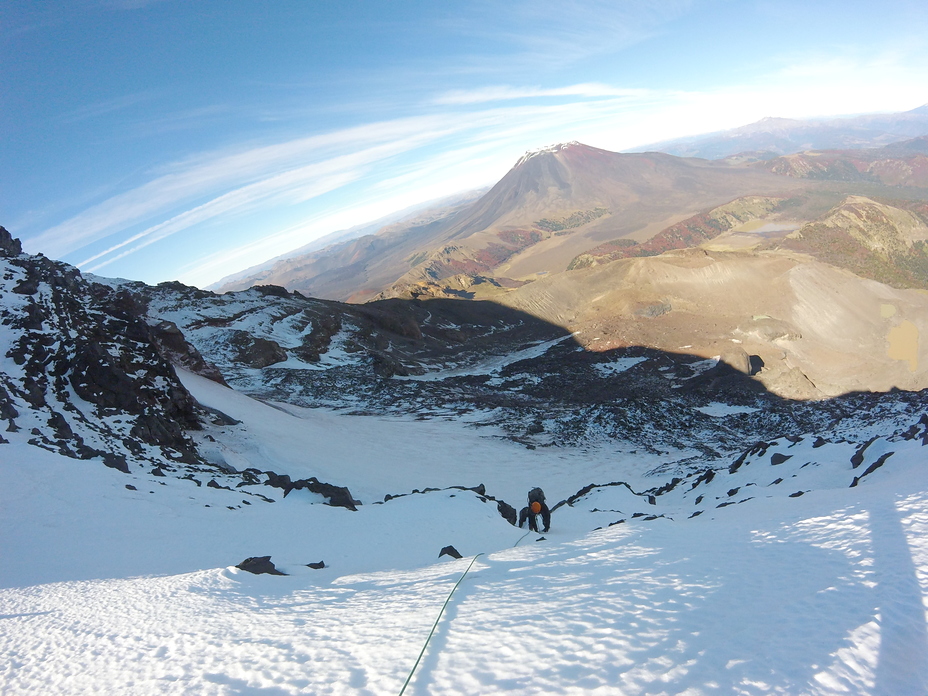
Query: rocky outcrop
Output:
(256,352)
(174,347)
(9,245)
(89,379)
(319,339)
(338,496)
(506,511)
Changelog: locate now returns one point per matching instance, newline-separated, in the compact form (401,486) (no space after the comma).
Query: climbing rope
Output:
(435,625)
(521,538)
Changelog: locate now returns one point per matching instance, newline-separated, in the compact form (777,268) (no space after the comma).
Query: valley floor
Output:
(111,590)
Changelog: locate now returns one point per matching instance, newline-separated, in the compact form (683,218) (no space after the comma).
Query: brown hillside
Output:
(816,330)
(899,164)
(872,239)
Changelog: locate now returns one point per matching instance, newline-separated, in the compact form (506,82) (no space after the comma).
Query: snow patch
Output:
(617,366)
(720,410)
(548,149)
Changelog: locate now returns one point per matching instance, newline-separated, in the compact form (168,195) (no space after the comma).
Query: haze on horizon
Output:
(159,139)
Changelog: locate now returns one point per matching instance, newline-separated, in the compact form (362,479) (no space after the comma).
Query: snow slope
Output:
(378,456)
(113,590)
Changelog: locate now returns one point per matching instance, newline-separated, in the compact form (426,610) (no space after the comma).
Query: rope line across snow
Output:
(435,625)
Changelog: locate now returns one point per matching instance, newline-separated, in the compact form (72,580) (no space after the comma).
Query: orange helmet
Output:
(536,507)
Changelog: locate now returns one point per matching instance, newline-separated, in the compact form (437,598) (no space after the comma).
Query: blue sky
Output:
(188,139)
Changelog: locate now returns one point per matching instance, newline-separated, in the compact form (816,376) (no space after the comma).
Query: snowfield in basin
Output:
(771,576)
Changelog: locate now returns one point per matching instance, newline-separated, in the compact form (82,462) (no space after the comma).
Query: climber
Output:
(536,506)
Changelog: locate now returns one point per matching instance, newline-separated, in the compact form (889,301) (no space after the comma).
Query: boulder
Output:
(737,358)
(60,426)
(449,551)
(506,511)
(115,461)
(255,351)
(272,290)
(259,565)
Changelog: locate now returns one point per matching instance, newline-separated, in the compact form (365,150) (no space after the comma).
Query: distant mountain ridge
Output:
(510,231)
(904,163)
(783,136)
(612,198)
(392,225)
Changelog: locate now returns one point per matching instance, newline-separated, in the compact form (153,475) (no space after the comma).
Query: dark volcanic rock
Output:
(317,342)
(259,565)
(9,245)
(858,457)
(27,286)
(366,357)
(877,464)
(449,551)
(507,512)
(115,461)
(7,411)
(71,337)
(392,316)
(98,378)
(166,432)
(174,348)
(60,425)
(338,496)
(257,352)
(385,366)
(218,417)
(272,290)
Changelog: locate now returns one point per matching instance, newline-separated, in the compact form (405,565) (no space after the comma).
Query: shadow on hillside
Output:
(478,336)
(784,641)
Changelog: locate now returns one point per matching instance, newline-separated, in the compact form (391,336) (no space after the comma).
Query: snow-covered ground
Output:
(111,589)
(376,456)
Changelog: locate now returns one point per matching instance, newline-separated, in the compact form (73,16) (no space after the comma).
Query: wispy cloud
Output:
(212,184)
(508,93)
(563,32)
(110,106)
(293,186)
(202,175)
